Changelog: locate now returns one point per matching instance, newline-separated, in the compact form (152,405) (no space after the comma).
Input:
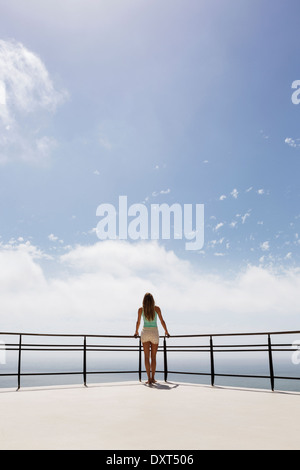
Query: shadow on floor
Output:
(162,386)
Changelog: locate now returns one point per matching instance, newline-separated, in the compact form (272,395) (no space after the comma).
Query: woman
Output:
(150,335)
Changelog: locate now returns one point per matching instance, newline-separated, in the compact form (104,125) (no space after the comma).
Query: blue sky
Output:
(167,101)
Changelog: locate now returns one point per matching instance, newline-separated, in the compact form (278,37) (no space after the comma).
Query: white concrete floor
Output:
(130,415)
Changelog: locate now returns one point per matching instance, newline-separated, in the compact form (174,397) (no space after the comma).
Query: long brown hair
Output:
(149,307)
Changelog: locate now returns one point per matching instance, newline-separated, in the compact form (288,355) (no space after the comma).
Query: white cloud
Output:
(166,191)
(294,143)
(52,237)
(261,192)
(214,243)
(223,197)
(218,226)
(99,288)
(163,191)
(249,189)
(234,193)
(27,81)
(26,93)
(245,217)
(265,246)
(21,246)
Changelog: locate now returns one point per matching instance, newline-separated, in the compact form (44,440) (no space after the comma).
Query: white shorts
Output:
(150,334)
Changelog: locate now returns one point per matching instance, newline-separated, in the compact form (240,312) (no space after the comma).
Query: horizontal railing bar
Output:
(240,345)
(71,349)
(222,351)
(42,373)
(223,375)
(74,373)
(127,348)
(135,349)
(235,375)
(206,335)
(252,345)
(220,346)
(27,374)
(43,344)
(115,348)
(170,347)
(72,345)
(112,346)
(9,375)
(114,372)
(188,373)
(79,347)
(126,345)
(229,350)
(252,350)
(135,372)
(48,345)
(65,346)
(215,335)
(62,335)
(286,378)
(249,376)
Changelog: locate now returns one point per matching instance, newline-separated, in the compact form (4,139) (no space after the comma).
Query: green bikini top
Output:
(150,324)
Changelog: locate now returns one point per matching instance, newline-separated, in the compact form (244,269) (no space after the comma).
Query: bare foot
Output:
(149,382)
(153,381)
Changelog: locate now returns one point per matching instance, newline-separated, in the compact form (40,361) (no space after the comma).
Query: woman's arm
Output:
(138,322)
(162,320)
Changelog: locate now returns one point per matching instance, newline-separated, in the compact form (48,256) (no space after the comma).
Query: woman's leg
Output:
(146,347)
(154,348)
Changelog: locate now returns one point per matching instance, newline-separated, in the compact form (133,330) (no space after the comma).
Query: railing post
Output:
(140,360)
(84,361)
(271,363)
(19,363)
(212,362)
(165,361)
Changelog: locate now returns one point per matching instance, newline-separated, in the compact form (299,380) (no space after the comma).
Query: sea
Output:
(117,360)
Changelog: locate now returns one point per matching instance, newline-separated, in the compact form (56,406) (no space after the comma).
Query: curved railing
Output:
(212,348)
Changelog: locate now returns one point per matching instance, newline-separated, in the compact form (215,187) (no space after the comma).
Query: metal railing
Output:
(211,348)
